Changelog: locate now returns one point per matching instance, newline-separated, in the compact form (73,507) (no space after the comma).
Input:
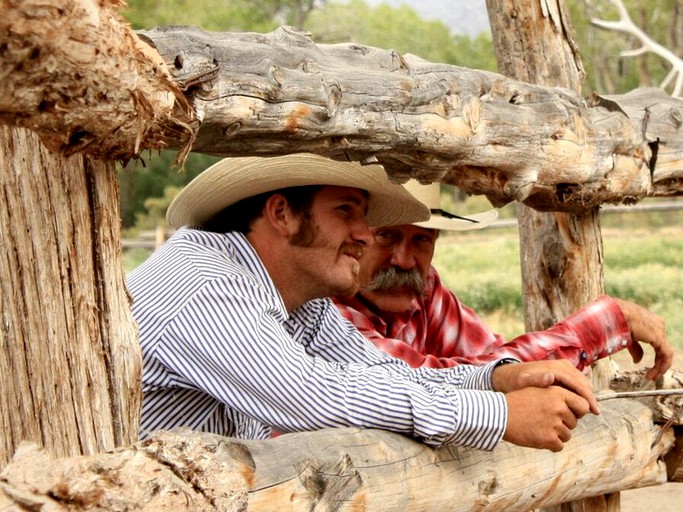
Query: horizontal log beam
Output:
(487,134)
(87,83)
(345,469)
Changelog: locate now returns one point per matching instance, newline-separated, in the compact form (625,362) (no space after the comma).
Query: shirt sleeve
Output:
(455,334)
(229,341)
(595,331)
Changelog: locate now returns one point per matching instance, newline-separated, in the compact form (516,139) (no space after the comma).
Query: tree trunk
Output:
(561,254)
(69,358)
(344,469)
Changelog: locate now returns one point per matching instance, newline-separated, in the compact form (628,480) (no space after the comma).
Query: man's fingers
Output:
(536,379)
(662,364)
(578,405)
(579,388)
(664,355)
(636,352)
(564,434)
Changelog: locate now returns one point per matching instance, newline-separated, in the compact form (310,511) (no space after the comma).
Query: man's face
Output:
(330,240)
(395,265)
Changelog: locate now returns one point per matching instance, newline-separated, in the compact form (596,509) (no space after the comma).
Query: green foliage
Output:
(140,181)
(622,254)
(218,15)
(400,29)
(134,257)
(607,72)
(483,268)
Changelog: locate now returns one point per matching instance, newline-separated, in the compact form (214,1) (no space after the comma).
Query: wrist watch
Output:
(506,360)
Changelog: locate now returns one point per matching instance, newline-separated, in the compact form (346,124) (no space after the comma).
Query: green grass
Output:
(134,257)
(643,266)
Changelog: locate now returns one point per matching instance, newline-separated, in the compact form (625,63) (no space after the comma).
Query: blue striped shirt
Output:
(221,354)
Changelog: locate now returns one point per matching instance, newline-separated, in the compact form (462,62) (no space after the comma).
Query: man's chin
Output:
(349,291)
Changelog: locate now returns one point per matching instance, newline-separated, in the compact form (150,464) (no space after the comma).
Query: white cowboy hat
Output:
(430,195)
(232,179)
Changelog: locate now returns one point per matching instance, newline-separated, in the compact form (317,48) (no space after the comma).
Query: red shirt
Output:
(439,331)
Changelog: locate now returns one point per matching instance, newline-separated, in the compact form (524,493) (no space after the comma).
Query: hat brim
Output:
(476,221)
(233,179)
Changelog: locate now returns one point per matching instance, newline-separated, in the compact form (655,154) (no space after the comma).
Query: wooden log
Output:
(344,469)
(86,83)
(485,133)
(70,361)
(664,408)
(75,72)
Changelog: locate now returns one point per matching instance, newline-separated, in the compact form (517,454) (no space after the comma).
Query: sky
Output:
(467,17)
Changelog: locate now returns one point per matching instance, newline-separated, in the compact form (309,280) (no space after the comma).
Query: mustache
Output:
(390,278)
(355,250)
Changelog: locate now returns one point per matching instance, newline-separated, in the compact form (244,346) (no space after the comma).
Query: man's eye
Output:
(385,237)
(344,210)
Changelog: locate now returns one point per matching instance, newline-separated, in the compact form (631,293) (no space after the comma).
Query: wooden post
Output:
(561,254)
(69,358)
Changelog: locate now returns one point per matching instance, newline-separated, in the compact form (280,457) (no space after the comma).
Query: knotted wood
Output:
(343,470)
(87,83)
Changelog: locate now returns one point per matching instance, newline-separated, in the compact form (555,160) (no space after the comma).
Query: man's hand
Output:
(543,417)
(543,374)
(646,327)
(545,401)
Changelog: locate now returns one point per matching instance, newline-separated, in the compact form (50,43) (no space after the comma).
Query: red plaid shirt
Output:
(439,331)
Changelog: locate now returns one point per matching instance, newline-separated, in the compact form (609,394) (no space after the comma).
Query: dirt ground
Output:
(660,498)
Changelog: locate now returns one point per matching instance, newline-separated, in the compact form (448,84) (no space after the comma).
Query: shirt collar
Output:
(240,250)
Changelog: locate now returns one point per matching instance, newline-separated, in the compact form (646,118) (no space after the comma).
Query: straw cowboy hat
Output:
(232,179)
(440,219)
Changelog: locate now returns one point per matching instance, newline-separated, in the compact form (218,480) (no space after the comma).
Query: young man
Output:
(405,310)
(239,338)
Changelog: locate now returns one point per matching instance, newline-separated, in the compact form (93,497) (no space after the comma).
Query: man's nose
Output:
(402,256)
(361,234)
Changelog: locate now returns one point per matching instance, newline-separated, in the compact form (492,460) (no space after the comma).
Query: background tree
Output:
(607,71)
(402,29)
(218,15)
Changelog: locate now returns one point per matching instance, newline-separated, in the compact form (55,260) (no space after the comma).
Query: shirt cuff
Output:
(484,416)
(482,377)
(602,329)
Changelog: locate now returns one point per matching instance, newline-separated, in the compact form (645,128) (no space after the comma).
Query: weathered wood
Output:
(674,458)
(75,72)
(344,469)
(659,118)
(561,253)
(487,134)
(69,357)
(664,408)
(280,93)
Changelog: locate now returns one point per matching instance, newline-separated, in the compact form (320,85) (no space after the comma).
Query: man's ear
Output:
(279,216)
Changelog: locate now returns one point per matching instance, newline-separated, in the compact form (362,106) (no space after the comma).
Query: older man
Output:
(239,338)
(405,309)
